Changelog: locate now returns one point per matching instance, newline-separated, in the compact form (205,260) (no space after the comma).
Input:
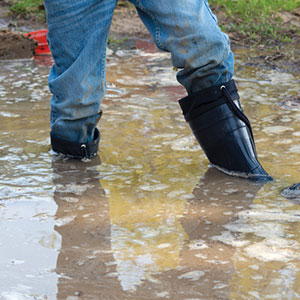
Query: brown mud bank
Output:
(14,45)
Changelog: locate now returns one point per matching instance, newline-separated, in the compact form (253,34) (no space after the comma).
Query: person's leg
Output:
(189,31)
(77,36)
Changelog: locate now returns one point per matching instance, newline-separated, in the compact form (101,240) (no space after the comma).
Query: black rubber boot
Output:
(77,150)
(223,131)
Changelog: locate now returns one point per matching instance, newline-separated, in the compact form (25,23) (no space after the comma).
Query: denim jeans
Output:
(77,35)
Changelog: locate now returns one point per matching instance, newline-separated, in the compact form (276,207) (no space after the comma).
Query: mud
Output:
(285,58)
(14,45)
(127,24)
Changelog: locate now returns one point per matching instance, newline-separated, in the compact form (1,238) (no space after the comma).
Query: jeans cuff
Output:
(76,150)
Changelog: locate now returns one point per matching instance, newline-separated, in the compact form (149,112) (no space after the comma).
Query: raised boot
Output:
(223,131)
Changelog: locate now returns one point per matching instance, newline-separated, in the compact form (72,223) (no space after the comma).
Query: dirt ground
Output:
(15,45)
(126,25)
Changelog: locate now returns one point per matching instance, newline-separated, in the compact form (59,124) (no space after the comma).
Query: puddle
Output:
(151,220)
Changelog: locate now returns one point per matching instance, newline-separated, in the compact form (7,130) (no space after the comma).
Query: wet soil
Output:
(15,45)
(126,23)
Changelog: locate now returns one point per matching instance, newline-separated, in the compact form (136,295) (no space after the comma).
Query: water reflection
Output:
(217,200)
(83,222)
(113,247)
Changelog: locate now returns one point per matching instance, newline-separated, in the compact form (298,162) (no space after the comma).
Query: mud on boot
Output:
(223,131)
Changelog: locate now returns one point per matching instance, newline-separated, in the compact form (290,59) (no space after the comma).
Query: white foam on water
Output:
(163,294)
(284,141)
(278,129)
(8,115)
(193,275)
(197,245)
(227,238)
(73,188)
(17,261)
(155,187)
(271,215)
(186,143)
(218,262)
(295,149)
(64,220)
(70,199)
(281,250)
(163,246)
(220,286)
(176,193)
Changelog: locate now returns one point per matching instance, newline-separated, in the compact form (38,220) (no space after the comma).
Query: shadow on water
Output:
(152,220)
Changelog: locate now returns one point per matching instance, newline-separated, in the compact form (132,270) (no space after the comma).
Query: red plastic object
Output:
(41,37)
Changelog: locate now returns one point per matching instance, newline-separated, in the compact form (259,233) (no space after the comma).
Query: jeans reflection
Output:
(103,238)
(84,225)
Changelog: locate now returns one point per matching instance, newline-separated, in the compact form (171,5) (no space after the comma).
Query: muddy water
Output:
(150,220)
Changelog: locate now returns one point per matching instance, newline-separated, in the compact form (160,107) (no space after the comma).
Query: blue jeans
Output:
(77,35)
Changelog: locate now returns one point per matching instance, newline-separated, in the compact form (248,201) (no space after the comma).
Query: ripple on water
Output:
(153,236)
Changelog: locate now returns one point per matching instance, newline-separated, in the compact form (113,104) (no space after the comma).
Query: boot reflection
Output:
(84,225)
(217,200)
(146,252)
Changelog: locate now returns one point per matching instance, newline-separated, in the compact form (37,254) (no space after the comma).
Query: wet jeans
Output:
(77,35)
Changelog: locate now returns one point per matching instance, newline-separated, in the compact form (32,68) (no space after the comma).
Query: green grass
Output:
(27,7)
(32,7)
(113,41)
(257,20)
(257,7)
